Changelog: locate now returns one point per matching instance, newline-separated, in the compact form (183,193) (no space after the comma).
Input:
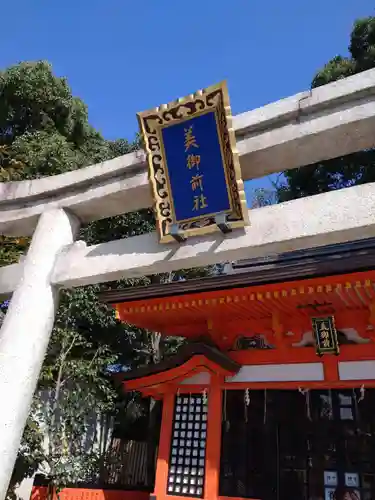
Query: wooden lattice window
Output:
(186,471)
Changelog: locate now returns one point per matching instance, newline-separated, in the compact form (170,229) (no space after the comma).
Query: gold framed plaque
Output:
(193,165)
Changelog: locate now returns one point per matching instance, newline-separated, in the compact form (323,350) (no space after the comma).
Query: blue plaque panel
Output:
(196,168)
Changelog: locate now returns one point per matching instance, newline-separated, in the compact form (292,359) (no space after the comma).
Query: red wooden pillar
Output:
(161,476)
(213,445)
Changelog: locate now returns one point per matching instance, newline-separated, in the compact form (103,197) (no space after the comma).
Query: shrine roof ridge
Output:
(336,250)
(185,353)
(330,260)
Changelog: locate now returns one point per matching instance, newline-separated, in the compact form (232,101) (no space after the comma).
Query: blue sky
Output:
(123,56)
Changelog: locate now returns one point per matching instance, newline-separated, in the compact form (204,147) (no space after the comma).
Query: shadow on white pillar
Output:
(26,331)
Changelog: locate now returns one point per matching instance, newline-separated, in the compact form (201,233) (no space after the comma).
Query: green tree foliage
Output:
(356,168)
(44,130)
(43,125)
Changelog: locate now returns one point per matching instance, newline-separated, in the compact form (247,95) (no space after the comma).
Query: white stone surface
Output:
(295,372)
(25,332)
(357,370)
(329,121)
(335,217)
(10,276)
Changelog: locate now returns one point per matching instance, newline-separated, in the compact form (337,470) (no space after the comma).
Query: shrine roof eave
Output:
(331,260)
(144,376)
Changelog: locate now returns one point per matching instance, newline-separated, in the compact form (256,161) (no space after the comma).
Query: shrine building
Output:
(272,396)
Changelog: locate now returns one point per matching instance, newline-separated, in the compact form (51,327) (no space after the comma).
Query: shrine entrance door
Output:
(288,444)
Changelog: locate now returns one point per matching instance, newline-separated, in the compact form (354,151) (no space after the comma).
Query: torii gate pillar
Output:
(26,330)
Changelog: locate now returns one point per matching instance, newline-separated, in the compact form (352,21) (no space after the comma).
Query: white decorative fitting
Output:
(199,378)
(357,370)
(293,372)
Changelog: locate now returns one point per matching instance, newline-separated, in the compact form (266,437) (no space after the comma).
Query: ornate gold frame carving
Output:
(214,98)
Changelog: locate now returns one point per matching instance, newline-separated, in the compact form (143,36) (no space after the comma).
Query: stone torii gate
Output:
(333,120)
